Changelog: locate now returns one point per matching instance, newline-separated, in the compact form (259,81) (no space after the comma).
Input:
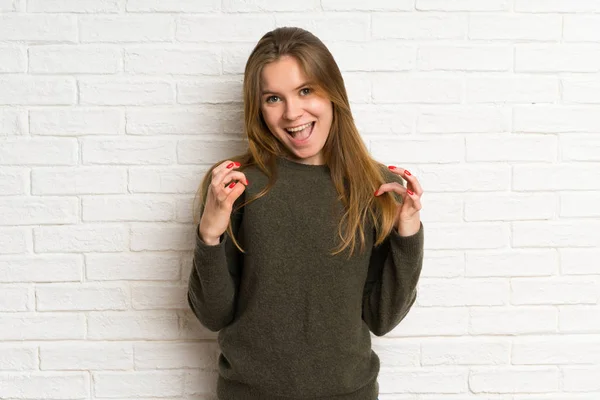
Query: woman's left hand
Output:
(408,218)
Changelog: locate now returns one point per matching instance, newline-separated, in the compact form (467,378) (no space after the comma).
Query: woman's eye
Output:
(272,99)
(305,91)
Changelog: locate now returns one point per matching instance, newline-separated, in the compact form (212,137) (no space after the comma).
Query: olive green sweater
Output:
(294,321)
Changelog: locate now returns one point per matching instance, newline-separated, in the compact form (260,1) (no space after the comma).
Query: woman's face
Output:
(294,113)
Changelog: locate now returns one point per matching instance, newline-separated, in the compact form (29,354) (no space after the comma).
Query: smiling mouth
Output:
(302,132)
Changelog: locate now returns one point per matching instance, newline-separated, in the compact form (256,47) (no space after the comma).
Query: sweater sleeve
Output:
(391,286)
(214,279)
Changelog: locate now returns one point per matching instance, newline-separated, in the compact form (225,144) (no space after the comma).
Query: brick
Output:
(80,121)
(581,379)
(516,262)
(460,351)
(14,181)
(564,177)
(164,180)
(210,91)
(22,151)
(580,90)
(264,6)
(423,381)
(447,236)
(580,204)
(512,89)
(455,178)
(132,267)
(82,180)
(465,58)
(513,320)
(46,268)
(81,238)
(358,88)
(67,356)
(463,119)
(557,58)
(514,380)
(44,385)
(352,27)
(579,319)
(375,56)
(161,237)
(579,261)
(556,234)
(462,5)
(125,92)
(568,349)
(394,88)
(234,57)
(15,298)
(61,297)
(510,206)
(13,122)
(18,356)
(542,148)
(433,321)
(183,6)
(560,6)
(193,151)
(553,291)
(424,150)
(554,119)
(141,325)
(581,28)
(414,26)
(39,210)
(462,292)
(155,297)
(73,6)
(15,240)
(129,208)
(13,60)
(445,208)
(187,61)
(397,353)
(46,326)
(523,27)
(200,382)
(8,5)
(443,264)
(153,356)
(226,28)
(376,5)
(128,152)
(208,119)
(123,29)
(38,28)
(74,60)
(580,148)
(37,91)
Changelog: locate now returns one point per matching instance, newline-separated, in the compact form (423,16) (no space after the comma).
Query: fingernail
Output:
(230,165)
(232,184)
(392,167)
(237,164)
(409,192)
(407,172)
(247,183)
(376,192)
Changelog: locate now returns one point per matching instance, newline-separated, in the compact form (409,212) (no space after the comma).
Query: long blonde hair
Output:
(355,174)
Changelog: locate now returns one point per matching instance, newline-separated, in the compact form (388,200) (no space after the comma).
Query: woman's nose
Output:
(292,111)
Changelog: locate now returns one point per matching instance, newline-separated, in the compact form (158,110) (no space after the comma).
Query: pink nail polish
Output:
(409,192)
(407,172)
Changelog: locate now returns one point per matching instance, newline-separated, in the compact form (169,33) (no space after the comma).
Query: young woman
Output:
(278,269)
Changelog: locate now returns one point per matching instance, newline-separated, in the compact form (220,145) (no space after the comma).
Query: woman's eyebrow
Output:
(268,91)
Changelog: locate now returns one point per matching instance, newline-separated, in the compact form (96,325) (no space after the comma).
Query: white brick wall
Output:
(111,111)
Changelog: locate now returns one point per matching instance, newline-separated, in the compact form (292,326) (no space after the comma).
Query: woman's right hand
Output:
(219,201)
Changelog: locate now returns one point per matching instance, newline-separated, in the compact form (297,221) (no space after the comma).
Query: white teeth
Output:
(298,129)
